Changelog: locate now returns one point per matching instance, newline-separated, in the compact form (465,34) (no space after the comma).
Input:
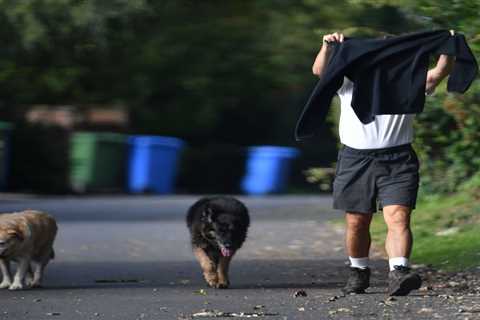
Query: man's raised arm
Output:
(439,72)
(325,52)
(442,69)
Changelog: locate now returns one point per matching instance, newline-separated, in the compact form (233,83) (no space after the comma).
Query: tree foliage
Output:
(227,72)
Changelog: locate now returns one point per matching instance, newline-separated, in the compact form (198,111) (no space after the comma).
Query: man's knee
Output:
(358,221)
(397,216)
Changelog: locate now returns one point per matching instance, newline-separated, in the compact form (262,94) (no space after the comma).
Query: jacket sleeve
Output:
(315,110)
(465,69)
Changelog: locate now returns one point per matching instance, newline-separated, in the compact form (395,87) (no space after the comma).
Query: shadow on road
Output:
(245,274)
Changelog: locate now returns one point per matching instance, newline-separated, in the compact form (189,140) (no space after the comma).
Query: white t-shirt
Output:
(385,131)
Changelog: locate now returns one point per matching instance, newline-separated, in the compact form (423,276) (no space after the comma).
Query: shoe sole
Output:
(407,286)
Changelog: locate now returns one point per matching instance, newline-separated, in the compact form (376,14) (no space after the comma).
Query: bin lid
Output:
(274,151)
(165,141)
(100,136)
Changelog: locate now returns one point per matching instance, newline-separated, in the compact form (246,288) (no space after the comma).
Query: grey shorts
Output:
(364,177)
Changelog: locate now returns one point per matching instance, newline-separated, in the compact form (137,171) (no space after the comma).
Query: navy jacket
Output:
(389,75)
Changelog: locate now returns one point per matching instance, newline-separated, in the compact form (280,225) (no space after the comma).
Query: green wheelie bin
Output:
(97,162)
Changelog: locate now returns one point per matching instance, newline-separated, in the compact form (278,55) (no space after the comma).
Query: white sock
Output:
(398,261)
(361,263)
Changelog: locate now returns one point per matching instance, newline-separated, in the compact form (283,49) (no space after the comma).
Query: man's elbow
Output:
(316,71)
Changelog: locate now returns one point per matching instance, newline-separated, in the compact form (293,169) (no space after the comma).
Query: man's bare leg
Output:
(399,236)
(357,236)
(401,280)
(357,242)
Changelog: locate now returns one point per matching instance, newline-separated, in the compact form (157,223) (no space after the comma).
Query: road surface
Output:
(129,258)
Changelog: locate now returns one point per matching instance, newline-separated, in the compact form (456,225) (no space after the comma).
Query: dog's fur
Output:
(27,238)
(218,227)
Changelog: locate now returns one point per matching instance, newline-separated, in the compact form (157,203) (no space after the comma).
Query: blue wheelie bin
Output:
(153,163)
(267,169)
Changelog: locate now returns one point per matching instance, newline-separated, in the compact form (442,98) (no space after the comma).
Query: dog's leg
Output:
(18,279)
(38,268)
(208,266)
(222,271)
(29,276)
(6,276)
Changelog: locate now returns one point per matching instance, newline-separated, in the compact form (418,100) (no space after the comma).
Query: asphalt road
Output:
(129,258)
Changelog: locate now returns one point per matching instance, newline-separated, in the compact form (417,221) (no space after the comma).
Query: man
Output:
(377,163)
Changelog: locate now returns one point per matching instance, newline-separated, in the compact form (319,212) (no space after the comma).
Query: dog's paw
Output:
(35,284)
(16,286)
(211,279)
(5,284)
(29,281)
(223,285)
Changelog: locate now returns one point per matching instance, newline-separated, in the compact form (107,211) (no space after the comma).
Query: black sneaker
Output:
(401,281)
(358,281)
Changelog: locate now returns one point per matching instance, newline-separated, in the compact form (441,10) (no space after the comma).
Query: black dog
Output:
(218,227)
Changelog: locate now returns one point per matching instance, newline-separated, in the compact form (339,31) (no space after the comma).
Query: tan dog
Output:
(27,238)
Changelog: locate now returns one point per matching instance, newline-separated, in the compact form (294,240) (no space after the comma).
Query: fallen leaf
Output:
(299,293)
(220,314)
(390,301)
(425,288)
(425,310)
(201,292)
(464,309)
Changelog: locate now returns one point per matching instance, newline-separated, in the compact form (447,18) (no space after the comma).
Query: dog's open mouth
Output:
(225,252)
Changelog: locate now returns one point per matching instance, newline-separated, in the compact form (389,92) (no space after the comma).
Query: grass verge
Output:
(446,231)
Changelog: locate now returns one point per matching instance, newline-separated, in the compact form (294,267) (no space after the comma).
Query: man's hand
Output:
(333,37)
(432,81)
(324,55)
(328,39)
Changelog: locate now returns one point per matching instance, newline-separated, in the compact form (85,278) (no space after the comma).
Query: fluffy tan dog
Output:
(27,238)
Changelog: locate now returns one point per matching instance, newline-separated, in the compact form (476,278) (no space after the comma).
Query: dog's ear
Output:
(208,214)
(15,234)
